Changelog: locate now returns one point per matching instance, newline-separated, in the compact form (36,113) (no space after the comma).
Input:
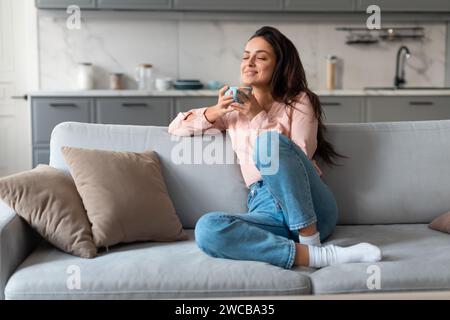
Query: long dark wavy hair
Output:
(289,80)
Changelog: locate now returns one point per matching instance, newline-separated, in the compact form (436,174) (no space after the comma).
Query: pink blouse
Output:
(302,130)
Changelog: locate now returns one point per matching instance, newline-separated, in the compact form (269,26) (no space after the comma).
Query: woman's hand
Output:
(250,107)
(222,107)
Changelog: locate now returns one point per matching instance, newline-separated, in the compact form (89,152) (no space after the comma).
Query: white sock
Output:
(313,240)
(325,256)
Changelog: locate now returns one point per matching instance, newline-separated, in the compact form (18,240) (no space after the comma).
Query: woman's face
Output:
(258,63)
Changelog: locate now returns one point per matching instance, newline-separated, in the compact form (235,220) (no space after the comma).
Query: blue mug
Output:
(233,91)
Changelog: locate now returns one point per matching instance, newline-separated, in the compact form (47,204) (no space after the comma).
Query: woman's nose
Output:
(251,62)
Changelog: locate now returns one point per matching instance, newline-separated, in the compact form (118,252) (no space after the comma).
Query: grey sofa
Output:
(395,181)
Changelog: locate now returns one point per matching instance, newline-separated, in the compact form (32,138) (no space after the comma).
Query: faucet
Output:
(399,80)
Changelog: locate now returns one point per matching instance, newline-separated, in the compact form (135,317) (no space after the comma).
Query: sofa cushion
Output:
(148,270)
(49,202)
(191,186)
(414,258)
(125,196)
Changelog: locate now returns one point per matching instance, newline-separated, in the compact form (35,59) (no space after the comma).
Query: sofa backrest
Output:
(397,172)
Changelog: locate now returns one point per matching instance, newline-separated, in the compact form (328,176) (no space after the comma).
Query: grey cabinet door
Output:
(63,4)
(381,109)
(187,103)
(342,109)
(407,5)
(134,111)
(134,4)
(48,112)
(229,5)
(320,5)
(41,156)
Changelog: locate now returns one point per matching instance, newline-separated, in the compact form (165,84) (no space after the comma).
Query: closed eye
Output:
(245,58)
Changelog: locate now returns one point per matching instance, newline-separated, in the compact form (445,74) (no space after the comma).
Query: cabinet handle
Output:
(134,105)
(22,97)
(331,103)
(421,103)
(62,105)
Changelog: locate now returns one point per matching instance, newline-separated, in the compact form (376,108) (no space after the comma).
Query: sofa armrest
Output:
(17,240)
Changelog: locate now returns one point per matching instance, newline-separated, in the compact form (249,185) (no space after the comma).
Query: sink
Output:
(407,88)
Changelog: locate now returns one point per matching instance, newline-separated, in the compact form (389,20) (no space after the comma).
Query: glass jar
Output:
(144,76)
(85,76)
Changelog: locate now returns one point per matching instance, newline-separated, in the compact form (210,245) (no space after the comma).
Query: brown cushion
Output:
(48,200)
(125,196)
(441,223)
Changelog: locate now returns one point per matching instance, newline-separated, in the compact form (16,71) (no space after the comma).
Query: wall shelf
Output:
(372,36)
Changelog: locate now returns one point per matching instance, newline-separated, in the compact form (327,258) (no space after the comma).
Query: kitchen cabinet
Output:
(63,4)
(320,5)
(407,108)
(407,5)
(184,104)
(229,5)
(324,6)
(47,113)
(41,156)
(342,109)
(134,4)
(137,111)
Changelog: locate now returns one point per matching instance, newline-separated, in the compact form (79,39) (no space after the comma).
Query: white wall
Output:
(209,50)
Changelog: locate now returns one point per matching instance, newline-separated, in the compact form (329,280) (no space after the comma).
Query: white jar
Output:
(85,76)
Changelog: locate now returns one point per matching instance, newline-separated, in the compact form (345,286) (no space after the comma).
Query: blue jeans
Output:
(279,205)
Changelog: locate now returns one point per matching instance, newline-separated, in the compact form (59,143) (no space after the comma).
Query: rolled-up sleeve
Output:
(199,124)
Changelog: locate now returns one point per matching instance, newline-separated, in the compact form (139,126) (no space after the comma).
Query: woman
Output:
(291,210)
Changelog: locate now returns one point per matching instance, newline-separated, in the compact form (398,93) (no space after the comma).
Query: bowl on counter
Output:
(163,84)
(188,84)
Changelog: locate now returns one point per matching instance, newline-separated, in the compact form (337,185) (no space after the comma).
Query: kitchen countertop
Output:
(214,93)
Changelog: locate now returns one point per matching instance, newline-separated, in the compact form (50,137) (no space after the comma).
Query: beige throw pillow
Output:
(441,223)
(125,196)
(48,200)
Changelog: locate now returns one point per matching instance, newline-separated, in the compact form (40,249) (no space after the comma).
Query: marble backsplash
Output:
(211,50)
